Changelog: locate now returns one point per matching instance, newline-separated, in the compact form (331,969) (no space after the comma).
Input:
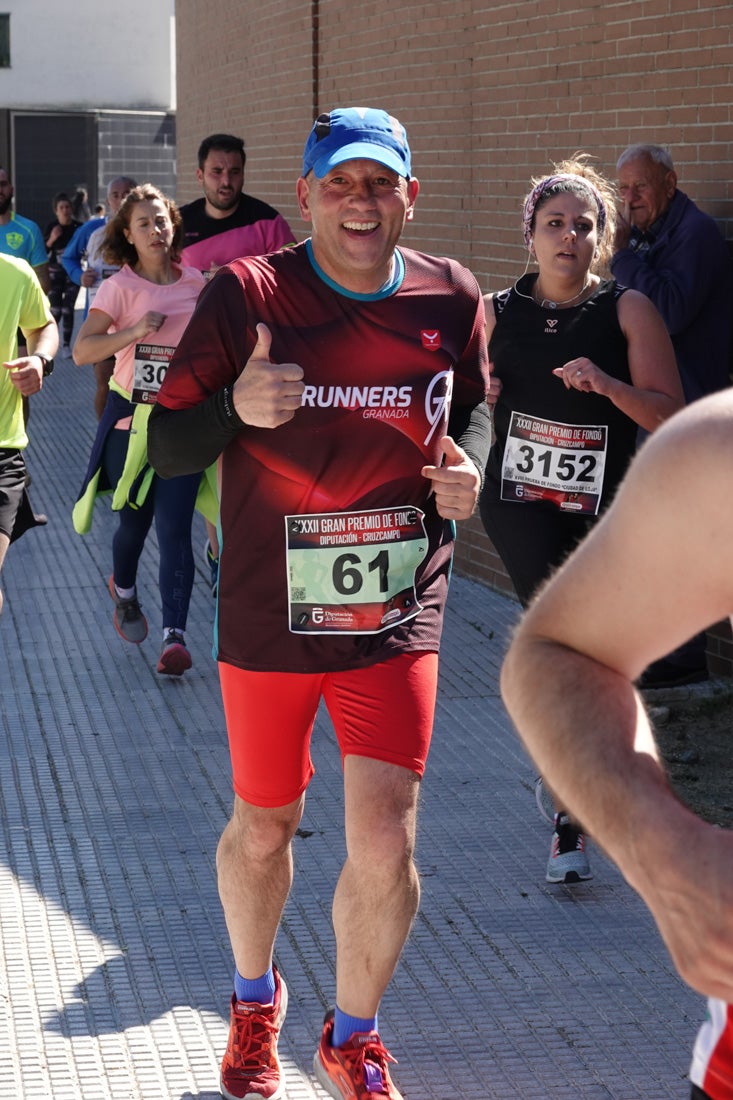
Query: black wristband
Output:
(229,402)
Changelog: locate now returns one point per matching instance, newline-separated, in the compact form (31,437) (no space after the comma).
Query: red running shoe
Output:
(251,1069)
(356,1071)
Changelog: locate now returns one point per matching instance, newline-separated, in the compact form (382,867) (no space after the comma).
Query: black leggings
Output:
(62,298)
(171,503)
(531,541)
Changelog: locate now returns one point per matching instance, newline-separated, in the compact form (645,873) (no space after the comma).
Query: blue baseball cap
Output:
(350,133)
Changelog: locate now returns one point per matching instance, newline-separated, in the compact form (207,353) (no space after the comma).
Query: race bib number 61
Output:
(354,572)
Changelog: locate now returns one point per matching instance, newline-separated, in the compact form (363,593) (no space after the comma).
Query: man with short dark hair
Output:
(227,223)
(21,237)
(340,384)
(222,226)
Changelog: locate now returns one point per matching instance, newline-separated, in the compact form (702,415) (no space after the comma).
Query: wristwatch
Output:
(48,364)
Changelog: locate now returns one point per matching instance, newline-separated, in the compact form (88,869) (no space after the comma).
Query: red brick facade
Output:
(491,94)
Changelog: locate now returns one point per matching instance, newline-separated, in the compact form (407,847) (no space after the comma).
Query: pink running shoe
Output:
(174,658)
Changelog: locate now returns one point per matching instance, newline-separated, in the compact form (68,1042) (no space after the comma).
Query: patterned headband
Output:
(530,204)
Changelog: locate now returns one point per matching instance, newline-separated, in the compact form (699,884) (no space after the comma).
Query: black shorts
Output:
(12,487)
(16,514)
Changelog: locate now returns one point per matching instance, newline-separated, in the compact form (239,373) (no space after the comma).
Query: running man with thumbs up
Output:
(341,385)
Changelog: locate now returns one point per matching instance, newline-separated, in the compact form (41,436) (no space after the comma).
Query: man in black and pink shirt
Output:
(227,223)
(341,386)
(222,226)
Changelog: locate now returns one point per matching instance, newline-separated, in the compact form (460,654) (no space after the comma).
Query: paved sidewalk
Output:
(115,974)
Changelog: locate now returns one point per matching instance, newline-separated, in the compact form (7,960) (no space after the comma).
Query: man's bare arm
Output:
(655,571)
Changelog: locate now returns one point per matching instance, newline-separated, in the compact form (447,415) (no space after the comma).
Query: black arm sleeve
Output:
(470,426)
(184,441)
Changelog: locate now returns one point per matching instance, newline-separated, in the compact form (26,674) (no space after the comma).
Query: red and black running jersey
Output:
(253,229)
(382,373)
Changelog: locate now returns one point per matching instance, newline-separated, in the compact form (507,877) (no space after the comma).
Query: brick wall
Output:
(491,93)
(245,68)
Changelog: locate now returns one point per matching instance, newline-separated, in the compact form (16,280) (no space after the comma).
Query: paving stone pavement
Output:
(115,969)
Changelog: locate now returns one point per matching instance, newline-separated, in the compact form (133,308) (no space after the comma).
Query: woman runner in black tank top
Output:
(579,365)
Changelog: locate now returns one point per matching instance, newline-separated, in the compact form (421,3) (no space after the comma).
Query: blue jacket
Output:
(687,273)
(74,251)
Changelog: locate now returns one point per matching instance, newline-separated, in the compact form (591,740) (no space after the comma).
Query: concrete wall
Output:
(490,92)
(46,152)
(89,55)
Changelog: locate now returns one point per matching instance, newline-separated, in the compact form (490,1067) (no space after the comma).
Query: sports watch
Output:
(48,364)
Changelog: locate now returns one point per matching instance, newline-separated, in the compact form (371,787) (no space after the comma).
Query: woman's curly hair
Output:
(116,249)
(578,177)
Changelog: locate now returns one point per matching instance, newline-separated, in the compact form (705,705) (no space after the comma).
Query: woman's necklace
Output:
(547,303)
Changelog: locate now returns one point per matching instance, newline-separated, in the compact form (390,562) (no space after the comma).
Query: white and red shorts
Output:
(712,1057)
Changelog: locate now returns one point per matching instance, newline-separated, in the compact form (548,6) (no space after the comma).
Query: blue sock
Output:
(345,1026)
(259,991)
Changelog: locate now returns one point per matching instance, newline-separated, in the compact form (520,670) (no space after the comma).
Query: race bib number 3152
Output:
(561,464)
(354,572)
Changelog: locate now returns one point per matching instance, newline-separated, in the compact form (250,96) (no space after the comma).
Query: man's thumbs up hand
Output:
(456,482)
(267,394)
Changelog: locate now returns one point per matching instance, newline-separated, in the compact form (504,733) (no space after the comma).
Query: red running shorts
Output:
(384,712)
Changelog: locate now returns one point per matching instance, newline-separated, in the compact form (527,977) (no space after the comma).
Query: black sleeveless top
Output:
(528,342)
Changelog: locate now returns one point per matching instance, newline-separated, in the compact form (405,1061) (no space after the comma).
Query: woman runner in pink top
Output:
(138,316)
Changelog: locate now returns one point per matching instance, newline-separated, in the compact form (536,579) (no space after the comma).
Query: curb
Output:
(709,691)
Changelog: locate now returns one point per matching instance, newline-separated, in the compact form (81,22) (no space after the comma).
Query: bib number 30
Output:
(151,364)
